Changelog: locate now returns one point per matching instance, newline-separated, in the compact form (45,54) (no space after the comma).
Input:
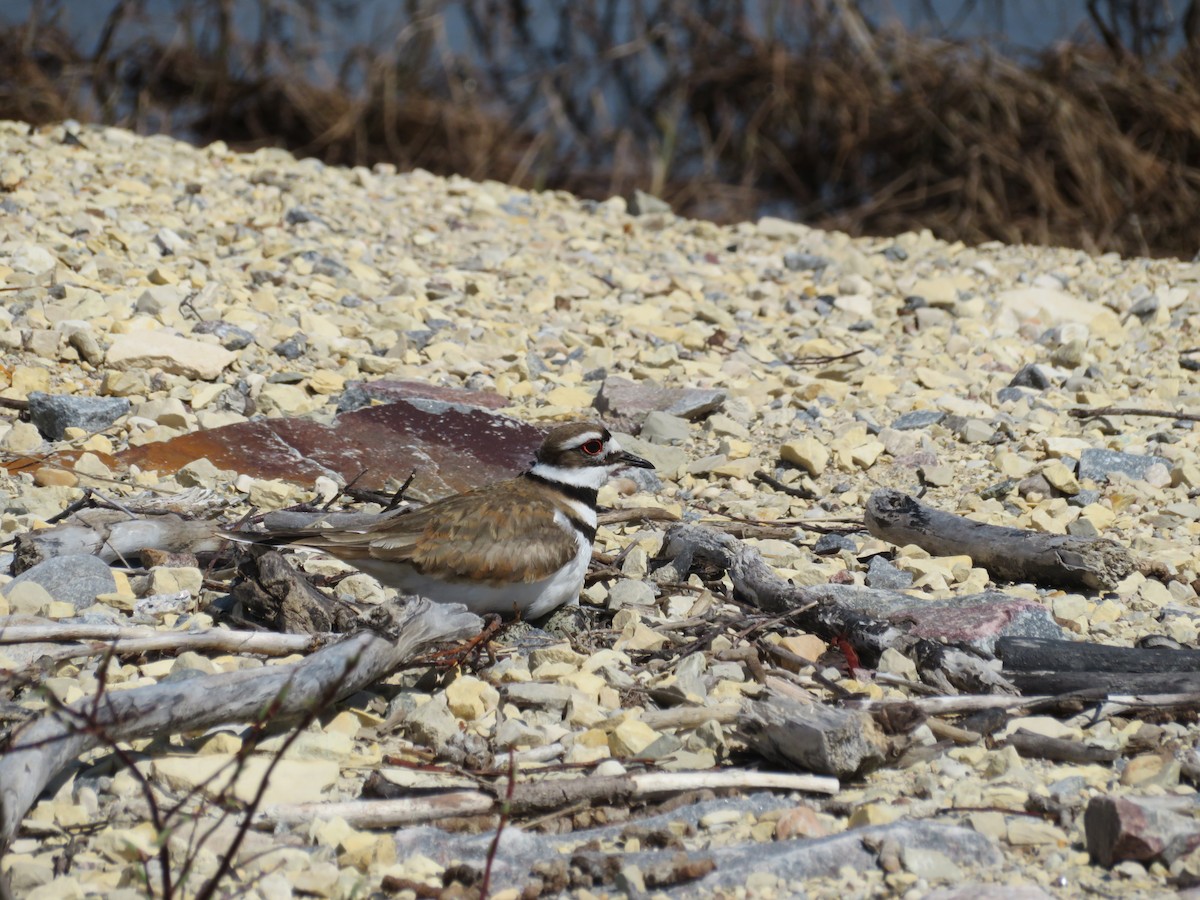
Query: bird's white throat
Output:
(590,477)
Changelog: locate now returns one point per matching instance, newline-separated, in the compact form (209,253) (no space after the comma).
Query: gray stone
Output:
(644,204)
(664,428)
(999,490)
(968,430)
(1012,394)
(1097,464)
(431,724)
(1031,376)
(920,418)
(829,544)
(54,413)
(231,336)
(630,592)
(1084,498)
(74,579)
(882,574)
(159,298)
(979,891)
(667,459)
(665,745)
(796,261)
(929,863)
(792,862)
(624,398)
(536,693)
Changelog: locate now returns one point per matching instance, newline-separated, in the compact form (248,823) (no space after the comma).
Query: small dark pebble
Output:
(828,544)
(919,418)
(1084,498)
(231,336)
(895,254)
(1163,437)
(804,262)
(419,338)
(914,302)
(1035,484)
(298,215)
(292,348)
(351,301)
(1191,363)
(999,490)
(1005,394)
(1031,376)
(285,378)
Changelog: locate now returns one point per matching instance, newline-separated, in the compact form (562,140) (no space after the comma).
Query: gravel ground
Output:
(177,282)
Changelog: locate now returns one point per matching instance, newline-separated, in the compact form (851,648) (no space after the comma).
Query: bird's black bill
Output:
(628,459)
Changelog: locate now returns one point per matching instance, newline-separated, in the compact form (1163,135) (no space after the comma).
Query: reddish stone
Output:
(451,447)
(1137,828)
(799,822)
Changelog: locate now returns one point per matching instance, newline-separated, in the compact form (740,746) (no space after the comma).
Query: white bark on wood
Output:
(39,751)
(531,797)
(125,639)
(113,536)
(944,706)
(1009,554)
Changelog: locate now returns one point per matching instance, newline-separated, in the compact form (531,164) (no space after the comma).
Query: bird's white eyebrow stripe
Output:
(584,438)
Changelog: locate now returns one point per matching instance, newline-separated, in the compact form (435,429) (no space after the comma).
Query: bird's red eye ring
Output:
(592,447)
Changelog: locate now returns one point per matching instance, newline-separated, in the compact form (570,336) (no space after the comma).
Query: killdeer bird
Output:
(521,545)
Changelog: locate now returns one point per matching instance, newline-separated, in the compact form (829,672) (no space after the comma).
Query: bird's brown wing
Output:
(466,536)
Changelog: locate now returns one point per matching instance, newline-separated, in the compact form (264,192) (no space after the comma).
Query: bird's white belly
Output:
(531,599)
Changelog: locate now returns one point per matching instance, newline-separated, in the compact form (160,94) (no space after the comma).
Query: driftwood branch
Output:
(539,796)
(1040,655)
(124,640)
(274,593)
(1061,667)
(819,610)
(113,536)
(1009,554)
(41,750)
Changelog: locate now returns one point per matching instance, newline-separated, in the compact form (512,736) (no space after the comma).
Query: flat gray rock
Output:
(921,418)
(54,413)
(75,579)
(664,428)
(623,398)
(882,574)
(1097,464)
(792,862)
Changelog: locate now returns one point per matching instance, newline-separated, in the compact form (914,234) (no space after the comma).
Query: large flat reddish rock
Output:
(451,446)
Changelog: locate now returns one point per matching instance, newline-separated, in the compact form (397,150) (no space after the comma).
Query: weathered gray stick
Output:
(540,796)
(821,609)
(39,751)
(1009,554)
